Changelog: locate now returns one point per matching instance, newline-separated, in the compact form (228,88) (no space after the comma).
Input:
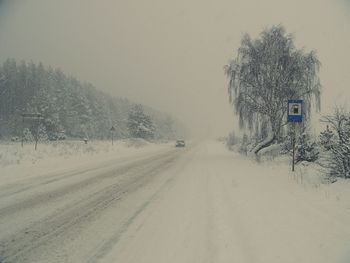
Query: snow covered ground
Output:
(160,204)
(17,162)
(12,153)
(226,208)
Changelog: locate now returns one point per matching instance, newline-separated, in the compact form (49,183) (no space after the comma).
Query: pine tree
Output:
(140,125)
(27,135)
(68,106)
(327,138)
(306,149)
(42,134)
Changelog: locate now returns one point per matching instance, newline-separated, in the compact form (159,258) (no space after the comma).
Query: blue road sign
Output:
(295,113)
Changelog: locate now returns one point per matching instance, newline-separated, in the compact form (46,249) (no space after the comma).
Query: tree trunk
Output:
(265,143)
(275,128)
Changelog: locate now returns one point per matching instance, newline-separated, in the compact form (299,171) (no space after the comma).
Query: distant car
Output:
(180,143)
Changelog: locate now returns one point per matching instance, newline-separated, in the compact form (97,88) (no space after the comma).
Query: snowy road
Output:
(197,204)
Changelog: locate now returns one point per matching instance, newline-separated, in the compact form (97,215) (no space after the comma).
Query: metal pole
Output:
(22,131)
(112,133)
(37,134)
(293,145)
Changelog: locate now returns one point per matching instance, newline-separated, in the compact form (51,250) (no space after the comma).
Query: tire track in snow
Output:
(33,183)
(18,246)
(109,244)
(49,196)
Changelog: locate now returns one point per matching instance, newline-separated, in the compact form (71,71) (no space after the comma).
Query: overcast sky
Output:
(170,54)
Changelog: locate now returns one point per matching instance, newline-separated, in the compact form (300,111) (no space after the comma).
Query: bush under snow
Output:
(12,153)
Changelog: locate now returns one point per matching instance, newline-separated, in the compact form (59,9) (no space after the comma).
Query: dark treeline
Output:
(69,107)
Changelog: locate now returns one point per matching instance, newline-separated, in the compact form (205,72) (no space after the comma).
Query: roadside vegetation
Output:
(69,109)
(267,72)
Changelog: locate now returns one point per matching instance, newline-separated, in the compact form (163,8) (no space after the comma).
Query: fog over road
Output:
(201,203)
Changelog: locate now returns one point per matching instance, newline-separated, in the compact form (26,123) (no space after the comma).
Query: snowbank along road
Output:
(196,204)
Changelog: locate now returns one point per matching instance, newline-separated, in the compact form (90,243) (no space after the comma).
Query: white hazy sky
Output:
(170,54)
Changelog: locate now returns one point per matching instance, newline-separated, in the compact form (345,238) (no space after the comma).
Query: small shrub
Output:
(231,140)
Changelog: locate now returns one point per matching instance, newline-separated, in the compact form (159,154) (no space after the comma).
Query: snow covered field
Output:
(62,155)
(161,204)
(12,153)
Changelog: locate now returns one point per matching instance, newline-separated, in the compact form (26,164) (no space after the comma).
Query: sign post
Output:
(32,116)
(295,115)
(112,131)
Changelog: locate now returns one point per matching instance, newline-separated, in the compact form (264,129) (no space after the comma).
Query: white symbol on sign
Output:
(294,109)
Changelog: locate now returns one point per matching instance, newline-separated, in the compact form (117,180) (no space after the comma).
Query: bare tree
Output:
(338,162)
(266,73)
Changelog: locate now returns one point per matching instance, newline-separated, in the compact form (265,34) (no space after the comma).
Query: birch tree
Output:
(266,72)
